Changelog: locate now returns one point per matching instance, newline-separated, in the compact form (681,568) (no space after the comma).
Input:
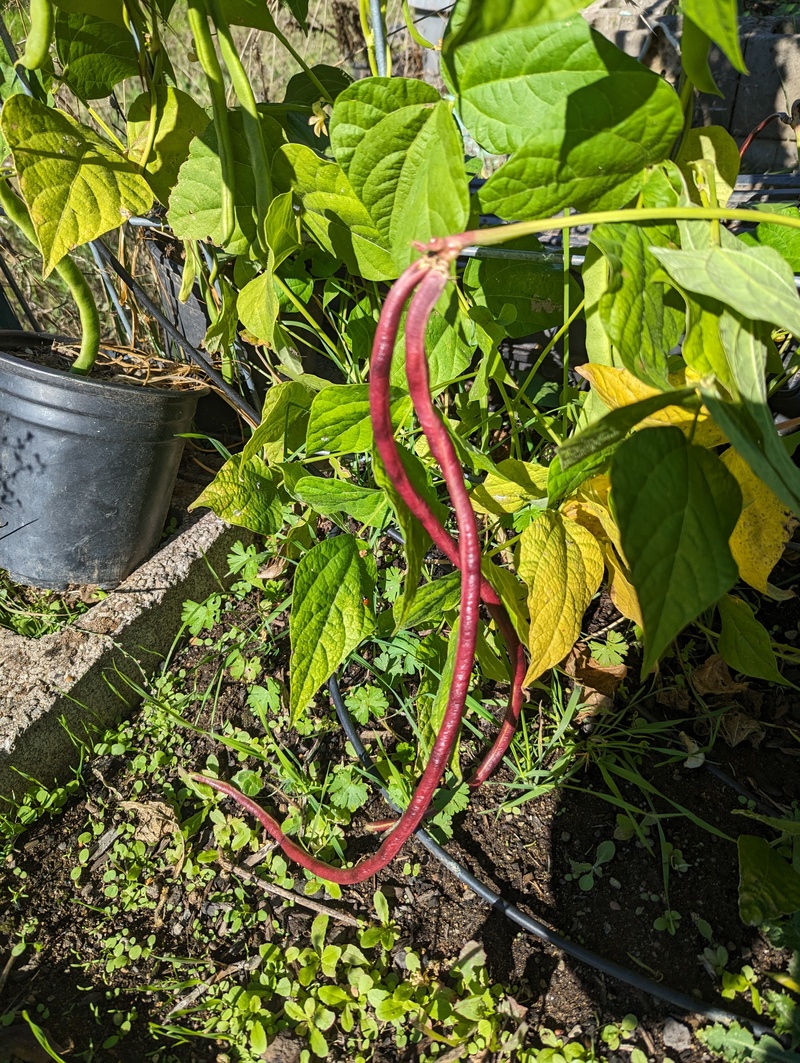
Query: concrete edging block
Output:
(73,682)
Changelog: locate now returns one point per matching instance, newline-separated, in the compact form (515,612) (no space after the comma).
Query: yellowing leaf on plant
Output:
(617,388)
(510,488)
(620,587)
(595,518)
(75,185)
(562,564)
(763,529)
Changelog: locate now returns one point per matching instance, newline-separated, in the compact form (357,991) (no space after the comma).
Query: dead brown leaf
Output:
(737,727)
(156,821)
(676,699)
(273,568)
(713,677)
(585,670)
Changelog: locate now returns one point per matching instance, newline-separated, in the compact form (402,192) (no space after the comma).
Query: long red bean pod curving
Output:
(469,556)
(379,396)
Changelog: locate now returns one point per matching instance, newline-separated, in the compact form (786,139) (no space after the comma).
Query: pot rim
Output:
(12,338)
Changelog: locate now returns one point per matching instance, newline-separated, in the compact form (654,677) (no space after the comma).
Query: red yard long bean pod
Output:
(469,556)
(379,394)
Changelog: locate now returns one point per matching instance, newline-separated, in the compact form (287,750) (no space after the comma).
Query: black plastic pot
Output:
(87,469)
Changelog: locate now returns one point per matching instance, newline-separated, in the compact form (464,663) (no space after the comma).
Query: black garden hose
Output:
(681,1001)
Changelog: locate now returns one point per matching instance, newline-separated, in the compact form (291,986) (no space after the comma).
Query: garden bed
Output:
(117,921)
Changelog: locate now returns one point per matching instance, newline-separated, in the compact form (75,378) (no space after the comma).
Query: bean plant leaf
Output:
(559,96)
(744,643)
(618,388)
(416,541)
(751,429)
(695,46)
(95,55)
(763,529)
(252,13)
(676,506)
(340,422)
(76,186)
(110,10)
(431,601)
(300,89)
(284,417)
(784,240)
(561,482)
(600,436)
(257,306)
(516,79)
(195,206)
(512,486)
(513,594)
(473,19)
(332,212)
(709,150)
(719,20)
(562,565)
(643,319)
(244,493)
(756,282)
(557,168)
(283,230)
(703,349)
(528,296)
(331,613)
(180,120)
(328,496)
(398,144)
(768,886)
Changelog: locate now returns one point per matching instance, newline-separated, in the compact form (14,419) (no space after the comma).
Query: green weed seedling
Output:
(611,652)
(613,1034)
(669,920)
(743,982)
(736,1044)
(556,1050)
(586,873)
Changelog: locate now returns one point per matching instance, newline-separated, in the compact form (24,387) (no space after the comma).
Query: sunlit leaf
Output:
(75,185)
(676,506)
(562,565)
(762,530)
(331,613)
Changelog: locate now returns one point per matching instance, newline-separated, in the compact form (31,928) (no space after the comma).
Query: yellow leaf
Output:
(763,529)
(511,592)
(562,565)
(618,387)
(620,587)
(513,485)
(590,507)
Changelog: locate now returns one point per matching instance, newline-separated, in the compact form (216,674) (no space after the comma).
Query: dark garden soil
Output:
(528,856)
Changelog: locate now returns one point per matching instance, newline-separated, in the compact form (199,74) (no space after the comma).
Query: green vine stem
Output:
(17,212)
(207,57)
(452,246)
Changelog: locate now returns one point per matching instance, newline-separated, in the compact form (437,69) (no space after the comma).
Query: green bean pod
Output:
(17,212)
(40,35)
(207,57)
(253,128)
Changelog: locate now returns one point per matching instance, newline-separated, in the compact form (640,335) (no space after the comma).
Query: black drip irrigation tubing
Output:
(681,1001)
